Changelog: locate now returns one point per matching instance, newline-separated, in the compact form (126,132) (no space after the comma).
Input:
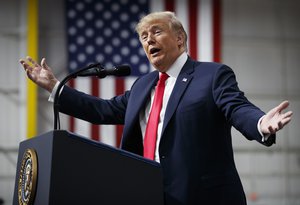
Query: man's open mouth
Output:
(154,50)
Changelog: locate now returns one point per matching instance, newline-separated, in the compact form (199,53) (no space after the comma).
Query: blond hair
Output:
(174,23)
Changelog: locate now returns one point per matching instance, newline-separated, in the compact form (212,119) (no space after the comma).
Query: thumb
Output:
(282,106)
(277,109)
(44,64)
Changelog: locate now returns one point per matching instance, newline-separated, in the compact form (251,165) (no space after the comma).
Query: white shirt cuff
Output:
(264,136)
(52,95)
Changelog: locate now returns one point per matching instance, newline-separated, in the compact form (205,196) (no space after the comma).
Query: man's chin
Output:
(157,66)
(160,68)
(157,63)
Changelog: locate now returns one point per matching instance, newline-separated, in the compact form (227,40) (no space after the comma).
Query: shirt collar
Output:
(176,67)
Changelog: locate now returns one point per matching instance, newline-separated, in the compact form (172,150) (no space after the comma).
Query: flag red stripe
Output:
(217,30)
(95,129)
(193,24)
(169,5)
(119,89)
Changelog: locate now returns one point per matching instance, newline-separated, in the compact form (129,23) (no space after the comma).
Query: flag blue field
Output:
(103,31)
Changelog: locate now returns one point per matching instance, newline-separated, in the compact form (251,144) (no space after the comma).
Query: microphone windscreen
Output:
(122,70)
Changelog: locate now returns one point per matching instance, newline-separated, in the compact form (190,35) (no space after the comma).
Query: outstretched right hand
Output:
(42,74)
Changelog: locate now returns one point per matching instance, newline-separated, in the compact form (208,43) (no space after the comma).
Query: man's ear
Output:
(180,39)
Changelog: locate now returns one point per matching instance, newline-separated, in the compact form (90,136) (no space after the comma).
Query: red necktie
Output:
(153,120)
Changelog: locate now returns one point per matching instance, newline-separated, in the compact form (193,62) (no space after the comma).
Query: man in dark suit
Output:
(190,120)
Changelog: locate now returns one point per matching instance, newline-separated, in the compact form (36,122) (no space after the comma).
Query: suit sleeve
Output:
(237,109)
(93,109)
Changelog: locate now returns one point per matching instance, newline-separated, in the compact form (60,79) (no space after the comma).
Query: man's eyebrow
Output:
(152,27)
(155,27)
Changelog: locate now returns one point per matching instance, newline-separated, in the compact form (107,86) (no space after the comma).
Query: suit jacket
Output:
(195,149)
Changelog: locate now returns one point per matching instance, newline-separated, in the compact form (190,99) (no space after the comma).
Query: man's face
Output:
(161,44)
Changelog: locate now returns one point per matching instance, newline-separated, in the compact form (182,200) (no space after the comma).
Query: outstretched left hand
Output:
(275,120)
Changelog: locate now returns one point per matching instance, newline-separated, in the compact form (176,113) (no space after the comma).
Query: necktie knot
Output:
(162,78)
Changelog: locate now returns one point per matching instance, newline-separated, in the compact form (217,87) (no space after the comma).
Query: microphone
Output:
(91,70)
(100,72)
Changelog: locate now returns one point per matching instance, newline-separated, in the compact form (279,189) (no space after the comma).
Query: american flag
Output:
(103,31)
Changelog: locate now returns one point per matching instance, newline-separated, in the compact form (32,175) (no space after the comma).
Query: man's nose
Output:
(150,39)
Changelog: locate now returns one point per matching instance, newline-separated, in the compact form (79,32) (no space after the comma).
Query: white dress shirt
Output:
(173,73)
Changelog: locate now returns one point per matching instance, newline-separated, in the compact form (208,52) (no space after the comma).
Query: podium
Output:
(60,167)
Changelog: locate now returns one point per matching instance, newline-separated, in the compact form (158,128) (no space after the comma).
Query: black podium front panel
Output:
(76,170)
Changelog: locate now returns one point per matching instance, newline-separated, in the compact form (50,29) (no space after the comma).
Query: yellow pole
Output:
(32,50)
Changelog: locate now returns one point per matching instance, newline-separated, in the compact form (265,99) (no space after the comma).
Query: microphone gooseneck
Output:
(100,72)
(91,70)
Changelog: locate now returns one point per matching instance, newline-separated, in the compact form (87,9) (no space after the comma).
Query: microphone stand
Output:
(61,84)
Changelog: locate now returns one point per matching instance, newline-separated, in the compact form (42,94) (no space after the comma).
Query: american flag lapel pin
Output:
(184,80)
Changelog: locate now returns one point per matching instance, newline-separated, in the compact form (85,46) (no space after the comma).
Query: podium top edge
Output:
(107,147)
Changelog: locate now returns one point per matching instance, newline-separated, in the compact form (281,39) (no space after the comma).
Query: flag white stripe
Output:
(128,82)
(107,87)
(83,127)
(205,40)
(107,91)
(108,133)
(181,10)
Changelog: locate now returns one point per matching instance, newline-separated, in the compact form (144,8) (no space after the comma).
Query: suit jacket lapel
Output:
(140,96)
(182,82)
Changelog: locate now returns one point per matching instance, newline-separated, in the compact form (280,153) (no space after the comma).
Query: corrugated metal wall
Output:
(12,101)
(261,42)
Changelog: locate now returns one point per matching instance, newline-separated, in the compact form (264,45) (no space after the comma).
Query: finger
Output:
(25,65)
(271,130)
(288,114)
(280,125)
(286,121)
(30,75)
(278,108)
(32,61)
(22,61)
(282,106)
(44,64)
